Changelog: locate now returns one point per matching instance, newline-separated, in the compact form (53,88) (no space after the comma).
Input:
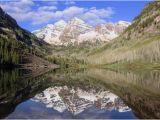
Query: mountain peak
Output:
(121,22)
(76,31)
(76,20)
(60,22)
(49,25)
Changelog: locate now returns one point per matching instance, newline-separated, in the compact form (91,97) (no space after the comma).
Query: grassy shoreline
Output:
(131,66)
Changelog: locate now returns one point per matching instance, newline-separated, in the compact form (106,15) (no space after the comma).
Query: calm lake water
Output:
(85,94)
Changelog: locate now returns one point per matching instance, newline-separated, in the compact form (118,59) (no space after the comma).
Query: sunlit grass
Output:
(147,50)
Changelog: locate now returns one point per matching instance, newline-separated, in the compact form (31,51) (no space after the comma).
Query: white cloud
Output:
(27,10)
(69,2)
(71,12)
(97,16)
(47,8)
(92,16)
(21,6)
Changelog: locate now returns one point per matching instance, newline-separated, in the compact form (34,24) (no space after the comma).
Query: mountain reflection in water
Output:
(88,94)
(77,100)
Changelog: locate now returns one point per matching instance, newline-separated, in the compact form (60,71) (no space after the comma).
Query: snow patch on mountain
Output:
(76,31)
(51,32)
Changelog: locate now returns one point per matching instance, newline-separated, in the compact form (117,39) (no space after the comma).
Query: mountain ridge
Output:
(76,31)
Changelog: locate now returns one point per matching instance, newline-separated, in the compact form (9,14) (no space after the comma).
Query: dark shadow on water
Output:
(15,88)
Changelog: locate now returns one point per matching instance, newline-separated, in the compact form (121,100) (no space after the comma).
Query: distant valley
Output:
(75,42)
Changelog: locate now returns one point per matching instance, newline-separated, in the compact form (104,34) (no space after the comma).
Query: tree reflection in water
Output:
(83,90)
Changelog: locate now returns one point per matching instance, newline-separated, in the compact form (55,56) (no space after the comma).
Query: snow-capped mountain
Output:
(74,28)
(51,32)
(76,31)
(77,100)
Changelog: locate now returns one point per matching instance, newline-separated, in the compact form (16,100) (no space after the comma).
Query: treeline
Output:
(13,80)
(8,52)
(7,79)
(66,62)
(12,50)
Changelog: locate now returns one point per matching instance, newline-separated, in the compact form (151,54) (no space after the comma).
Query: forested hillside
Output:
(15,41)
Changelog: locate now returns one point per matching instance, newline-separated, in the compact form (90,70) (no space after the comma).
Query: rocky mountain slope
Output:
(76,31)
(15,41)
(51,31)
(10,29)
(147,24)
(139,42)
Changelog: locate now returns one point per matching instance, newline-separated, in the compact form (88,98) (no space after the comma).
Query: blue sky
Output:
(33,15)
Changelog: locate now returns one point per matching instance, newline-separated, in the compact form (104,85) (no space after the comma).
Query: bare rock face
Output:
(76,31)
(51,32)
(74,28)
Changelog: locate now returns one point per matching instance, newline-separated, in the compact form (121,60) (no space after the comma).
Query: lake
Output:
(79,94)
